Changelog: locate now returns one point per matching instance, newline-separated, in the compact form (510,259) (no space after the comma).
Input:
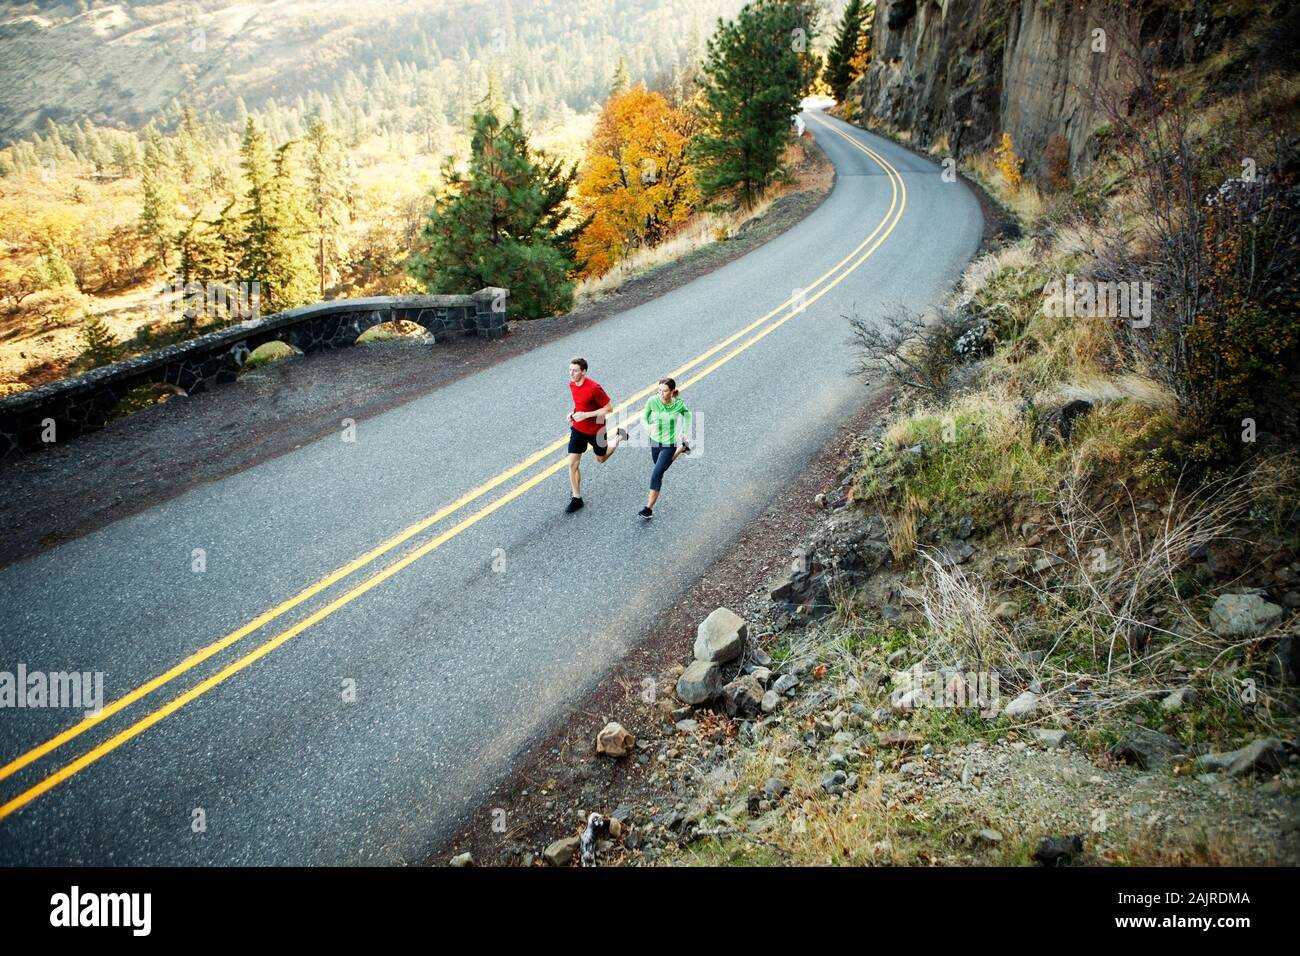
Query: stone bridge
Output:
(63,410)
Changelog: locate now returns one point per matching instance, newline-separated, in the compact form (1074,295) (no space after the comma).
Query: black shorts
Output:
(578,442)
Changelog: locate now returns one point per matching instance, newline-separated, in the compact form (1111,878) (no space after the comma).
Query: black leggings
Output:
(662,456)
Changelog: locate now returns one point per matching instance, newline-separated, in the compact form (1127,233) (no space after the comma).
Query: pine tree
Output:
(839,70)
(621,81)
(502,223)
(326,192)
(101,343)
(158,210)
(274,250)
(756,70)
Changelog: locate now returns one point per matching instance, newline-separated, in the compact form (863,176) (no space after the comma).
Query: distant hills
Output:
(119,64)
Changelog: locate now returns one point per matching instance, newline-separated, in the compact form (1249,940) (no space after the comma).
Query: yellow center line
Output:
(897,205)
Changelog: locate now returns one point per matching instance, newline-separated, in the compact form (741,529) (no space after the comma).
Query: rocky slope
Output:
(966,71)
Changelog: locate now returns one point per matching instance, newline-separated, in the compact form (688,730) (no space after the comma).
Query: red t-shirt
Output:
(588,397)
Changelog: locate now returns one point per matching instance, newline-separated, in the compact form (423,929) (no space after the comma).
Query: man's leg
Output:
(602,457)
(575,474)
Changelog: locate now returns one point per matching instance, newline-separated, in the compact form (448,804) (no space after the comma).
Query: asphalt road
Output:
(360,723)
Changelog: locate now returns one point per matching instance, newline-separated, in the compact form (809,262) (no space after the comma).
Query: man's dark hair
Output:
(580,362)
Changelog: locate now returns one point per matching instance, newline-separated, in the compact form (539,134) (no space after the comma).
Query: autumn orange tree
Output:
(635,183)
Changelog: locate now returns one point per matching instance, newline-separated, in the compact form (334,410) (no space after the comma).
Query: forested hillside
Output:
(120,64)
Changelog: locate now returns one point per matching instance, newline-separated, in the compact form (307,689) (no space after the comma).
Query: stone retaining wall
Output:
(62,410)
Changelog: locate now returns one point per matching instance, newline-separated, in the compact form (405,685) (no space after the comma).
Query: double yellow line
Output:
(862,251)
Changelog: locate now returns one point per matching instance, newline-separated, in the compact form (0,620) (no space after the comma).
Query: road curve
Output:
(382,625)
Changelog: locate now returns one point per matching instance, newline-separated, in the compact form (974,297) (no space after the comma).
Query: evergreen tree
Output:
(326,193)
(100,342)
(158,210)
(274,250)
(839,71)
(756,71)
(501,223)
(621,81)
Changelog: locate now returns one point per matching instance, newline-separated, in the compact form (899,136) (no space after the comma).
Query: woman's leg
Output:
(663,457)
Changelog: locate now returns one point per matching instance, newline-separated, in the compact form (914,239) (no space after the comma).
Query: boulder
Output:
(1267,755)
(743,697)
(1146,748)
(720,637)
(1243,615)
(700,683)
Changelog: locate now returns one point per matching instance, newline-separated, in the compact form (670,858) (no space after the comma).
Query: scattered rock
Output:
(1047,562)
(462,859)
(1182,697)
(687,726)
(1146,748)
(958,552)
(1266,755)
(614,741)
(896,659)
(1022,706)
(1243,615)
(720,637)
(1052,739)
(743,697)
(1006,611)
(899,738)
(1055,425)
(1052,851)
(784,683)
(771,701)
(700,683)
(991,837)
(835,782)
(560,853)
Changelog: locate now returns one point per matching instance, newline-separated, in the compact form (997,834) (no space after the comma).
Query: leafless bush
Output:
(911,349)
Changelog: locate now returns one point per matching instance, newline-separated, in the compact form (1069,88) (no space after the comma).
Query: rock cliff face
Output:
(968,70)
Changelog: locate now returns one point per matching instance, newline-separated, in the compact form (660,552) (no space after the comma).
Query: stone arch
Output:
(142,396)
(393,331)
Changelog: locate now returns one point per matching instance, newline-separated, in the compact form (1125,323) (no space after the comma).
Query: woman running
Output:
(667,422)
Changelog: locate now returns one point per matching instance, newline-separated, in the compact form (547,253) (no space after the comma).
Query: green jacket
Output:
(666,424)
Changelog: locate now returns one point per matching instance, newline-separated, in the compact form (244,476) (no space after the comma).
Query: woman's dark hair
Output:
(671,384)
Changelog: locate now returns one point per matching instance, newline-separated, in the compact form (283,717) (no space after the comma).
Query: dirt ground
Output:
(155,454)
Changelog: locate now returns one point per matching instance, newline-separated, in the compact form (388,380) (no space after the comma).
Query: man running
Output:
(587,428)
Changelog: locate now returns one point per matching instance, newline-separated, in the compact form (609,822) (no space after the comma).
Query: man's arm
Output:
(598,413)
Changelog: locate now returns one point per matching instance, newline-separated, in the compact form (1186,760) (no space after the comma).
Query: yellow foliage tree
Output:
(635,184)
(1008,162)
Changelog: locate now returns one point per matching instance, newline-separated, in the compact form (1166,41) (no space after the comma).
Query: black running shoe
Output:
(574,505)
(621,433)
(646,513)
